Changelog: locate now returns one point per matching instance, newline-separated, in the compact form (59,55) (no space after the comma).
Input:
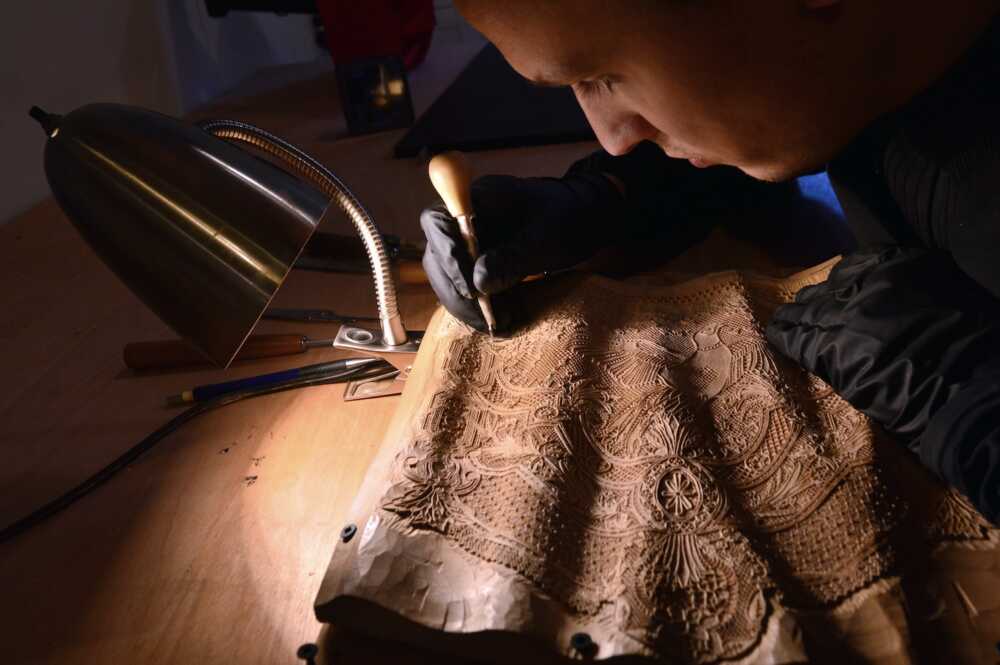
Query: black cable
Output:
(375,371)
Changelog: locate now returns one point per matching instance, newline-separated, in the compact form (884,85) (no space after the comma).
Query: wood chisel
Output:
(174,353)
(452,178)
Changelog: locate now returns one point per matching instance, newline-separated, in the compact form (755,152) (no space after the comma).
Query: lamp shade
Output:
(201,230)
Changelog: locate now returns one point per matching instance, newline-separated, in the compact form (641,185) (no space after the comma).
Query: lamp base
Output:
(371,343)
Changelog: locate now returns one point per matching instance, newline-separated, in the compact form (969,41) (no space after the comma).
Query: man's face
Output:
(747,84)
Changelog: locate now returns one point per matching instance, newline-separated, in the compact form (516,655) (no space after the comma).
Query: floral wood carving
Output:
(651,466)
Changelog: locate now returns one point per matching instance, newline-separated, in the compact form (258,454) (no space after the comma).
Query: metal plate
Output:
(370,341)
(371,388)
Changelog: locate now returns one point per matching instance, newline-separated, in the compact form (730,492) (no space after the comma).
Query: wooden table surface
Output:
(211,547)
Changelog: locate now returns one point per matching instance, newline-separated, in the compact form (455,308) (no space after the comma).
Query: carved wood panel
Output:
(638,465)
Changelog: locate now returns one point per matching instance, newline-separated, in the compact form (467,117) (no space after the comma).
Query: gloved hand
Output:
(525,226)
(910,340)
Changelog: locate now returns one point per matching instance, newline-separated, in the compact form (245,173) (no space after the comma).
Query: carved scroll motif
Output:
(649,464)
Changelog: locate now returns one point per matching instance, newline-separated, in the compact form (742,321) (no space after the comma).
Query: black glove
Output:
(911,341)
(525,226)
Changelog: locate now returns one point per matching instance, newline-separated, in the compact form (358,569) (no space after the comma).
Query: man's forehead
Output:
(549,43)
(550,66)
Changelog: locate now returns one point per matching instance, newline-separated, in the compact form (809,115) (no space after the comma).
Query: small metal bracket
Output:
(369,388)
(370,343)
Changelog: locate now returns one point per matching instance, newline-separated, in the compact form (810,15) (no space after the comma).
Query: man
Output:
(899,102)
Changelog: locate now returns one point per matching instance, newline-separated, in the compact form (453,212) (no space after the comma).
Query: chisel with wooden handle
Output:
(170,354)
(452,178)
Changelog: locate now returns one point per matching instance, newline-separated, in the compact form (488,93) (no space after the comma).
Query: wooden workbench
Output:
(211,547)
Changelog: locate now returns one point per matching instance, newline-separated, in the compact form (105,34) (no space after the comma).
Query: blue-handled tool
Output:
(336,369)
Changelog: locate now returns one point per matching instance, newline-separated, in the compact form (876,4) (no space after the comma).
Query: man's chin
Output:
(759,170)
(762,169)
(775,172)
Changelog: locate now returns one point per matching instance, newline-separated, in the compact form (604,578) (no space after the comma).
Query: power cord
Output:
(379,370)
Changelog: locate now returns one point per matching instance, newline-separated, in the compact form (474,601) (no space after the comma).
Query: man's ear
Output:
(819,4)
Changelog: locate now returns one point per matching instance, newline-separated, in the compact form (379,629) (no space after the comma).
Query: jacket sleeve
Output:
(962,440)
(907,338)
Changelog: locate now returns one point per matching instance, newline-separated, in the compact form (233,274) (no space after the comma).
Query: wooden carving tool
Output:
(170,354)
(452,178)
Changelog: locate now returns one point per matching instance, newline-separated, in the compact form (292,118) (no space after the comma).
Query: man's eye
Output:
(605,84)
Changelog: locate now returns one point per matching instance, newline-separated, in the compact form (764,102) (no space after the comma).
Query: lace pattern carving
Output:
(649,463)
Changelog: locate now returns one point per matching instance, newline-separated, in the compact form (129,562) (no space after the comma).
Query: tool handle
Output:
(452,178)
(469,236)
(168,354)
(202,393)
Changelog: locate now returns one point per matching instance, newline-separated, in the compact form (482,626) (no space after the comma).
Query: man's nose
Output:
(618,129)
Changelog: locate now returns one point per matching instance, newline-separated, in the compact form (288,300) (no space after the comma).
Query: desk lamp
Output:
(202,231)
